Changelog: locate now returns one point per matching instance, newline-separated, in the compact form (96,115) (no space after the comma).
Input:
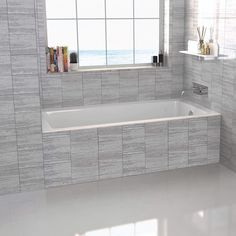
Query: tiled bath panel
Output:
(104,153)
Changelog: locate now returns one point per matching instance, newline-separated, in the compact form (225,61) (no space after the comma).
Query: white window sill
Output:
(115,68)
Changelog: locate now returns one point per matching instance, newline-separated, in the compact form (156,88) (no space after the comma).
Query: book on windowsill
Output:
(57,59)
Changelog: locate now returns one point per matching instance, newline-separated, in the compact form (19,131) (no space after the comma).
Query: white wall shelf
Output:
(204,57)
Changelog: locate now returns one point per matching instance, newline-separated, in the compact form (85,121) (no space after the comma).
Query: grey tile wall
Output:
(26,89)
(219,76)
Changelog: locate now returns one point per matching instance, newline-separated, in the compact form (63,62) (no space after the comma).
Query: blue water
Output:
(114,57)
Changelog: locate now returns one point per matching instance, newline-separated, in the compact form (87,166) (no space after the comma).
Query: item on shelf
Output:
(214,46)
(57,59)
(161,58)
(154,60)
(208,50)
(201,36)
(73,61)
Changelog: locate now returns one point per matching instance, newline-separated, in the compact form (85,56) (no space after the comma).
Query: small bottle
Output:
(154,61)
(216,49)
(208,50)
(161,58)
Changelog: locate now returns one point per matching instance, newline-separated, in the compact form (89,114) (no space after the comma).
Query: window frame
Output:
(115,66)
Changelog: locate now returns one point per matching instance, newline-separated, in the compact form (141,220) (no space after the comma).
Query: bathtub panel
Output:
(84,155)
(57,174)
(214,139)
(133,150)
(56,147)
(110,152)
(197,141)
(178,144)
(156,138)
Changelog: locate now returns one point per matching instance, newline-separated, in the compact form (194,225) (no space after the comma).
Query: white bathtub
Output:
(120,114)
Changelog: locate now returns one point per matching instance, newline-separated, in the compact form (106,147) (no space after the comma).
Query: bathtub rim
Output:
(46,128)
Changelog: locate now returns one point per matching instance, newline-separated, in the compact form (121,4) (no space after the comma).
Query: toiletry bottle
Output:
(216,49)
(161,58)
(154,61)
(208,50)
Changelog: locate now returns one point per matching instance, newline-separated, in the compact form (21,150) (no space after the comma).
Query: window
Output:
(106,32)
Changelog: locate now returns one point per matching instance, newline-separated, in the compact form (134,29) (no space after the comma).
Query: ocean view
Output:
(114,57)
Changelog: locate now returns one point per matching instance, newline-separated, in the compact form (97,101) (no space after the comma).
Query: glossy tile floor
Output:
(198,201)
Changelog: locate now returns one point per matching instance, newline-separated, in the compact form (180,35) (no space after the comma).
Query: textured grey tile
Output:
(57,174)
(84,155)
(4,39)
(27,102)
(110,87)
(24,64)
(30,157)
(7,144)
(6,85)
(133,150)
(5,65)
(128,86)
(29,141)
(21,23)
(214,124)
(110,152)
(26,84)
(31,178)
(9,160)
(156,139)
(23,44)
(147,84)
(178,144)
(6,105)
(28,123)
(72,90)
(56,147)
(9,180)
(20,6)
(163,84)
(197,141)
(92,88)
(7,125)
(52,91)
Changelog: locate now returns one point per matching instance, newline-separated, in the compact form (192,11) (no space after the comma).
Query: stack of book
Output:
(57,59)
